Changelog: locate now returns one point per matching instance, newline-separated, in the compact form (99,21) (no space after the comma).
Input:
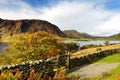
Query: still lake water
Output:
(81,43)
(3,45)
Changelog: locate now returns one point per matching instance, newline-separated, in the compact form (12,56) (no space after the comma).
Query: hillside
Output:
(115,36)
(74,33)
(10,27)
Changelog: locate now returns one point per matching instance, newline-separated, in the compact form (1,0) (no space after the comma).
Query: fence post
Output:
(58,56)
(68,60)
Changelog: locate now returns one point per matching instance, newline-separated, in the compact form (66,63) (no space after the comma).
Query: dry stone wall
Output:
(89,58)
(47,65)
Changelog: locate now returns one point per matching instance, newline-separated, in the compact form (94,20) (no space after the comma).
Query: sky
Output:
(96,17)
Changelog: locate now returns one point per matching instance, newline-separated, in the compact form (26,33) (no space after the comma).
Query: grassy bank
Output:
(114,74)
(111,59)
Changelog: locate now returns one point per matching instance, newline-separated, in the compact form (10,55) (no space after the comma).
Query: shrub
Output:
(98,49)
(88,46)
(60,74)
(71,47)
(106,42)
(39,45)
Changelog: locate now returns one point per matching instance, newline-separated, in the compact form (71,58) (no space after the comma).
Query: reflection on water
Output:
(3,45)
(81,43)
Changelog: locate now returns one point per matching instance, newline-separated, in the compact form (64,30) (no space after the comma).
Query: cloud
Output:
(12,9)
(84,16)
(109,27)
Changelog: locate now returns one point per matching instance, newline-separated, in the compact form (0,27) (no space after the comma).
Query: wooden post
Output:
(58,60)
(79,47)
(68,60)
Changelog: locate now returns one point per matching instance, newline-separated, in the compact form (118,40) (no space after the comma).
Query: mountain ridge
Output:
(28,25)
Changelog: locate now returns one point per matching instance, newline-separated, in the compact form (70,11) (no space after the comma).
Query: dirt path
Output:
(94,69)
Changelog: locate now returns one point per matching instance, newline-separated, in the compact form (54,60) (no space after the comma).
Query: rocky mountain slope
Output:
(10,27)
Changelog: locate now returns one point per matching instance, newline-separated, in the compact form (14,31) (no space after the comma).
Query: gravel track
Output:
(94,69)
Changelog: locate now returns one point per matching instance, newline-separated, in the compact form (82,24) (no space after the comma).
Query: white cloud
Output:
(110,26)
(82,16)
(12,9)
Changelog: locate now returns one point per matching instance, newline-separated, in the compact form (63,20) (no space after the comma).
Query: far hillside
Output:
(115,36)
(85,36)
(74,33)
(81,35)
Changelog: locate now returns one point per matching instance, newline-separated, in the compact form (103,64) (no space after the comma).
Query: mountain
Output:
(10,27)
(74,33)
(115,36)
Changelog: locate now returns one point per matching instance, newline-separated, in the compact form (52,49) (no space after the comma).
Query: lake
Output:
(82,43)
(3,45)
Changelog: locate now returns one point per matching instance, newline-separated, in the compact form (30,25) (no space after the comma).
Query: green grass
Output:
(111,76)
(103,78)
(116,70)
(111,59)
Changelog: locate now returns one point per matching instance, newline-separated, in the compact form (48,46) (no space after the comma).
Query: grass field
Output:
(115,58)
(92,50)
(111,59)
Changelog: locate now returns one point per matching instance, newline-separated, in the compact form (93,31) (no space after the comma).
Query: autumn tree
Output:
(106,42)
(39,45)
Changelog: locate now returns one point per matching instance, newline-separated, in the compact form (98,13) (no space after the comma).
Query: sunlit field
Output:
(92,50)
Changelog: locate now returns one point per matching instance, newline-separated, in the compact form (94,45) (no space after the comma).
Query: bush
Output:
(71,47)
(106,42)
(98,49)
(88,46)
(39,45)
